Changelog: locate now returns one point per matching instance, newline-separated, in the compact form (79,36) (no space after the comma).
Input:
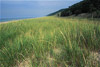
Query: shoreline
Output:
(4,22)
(8,21)
(17,20)
(12,21)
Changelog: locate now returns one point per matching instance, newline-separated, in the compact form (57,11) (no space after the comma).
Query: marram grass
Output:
(50,42)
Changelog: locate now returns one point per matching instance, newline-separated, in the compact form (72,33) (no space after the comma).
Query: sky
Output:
(32,8)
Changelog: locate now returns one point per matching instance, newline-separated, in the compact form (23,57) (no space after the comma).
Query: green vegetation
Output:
(91,8)
(50,42)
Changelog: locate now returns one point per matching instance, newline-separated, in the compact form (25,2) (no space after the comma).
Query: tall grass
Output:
(49,42)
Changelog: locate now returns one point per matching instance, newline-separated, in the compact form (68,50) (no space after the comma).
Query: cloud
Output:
(40,0)
(55,2)
(30,8)
(48,3)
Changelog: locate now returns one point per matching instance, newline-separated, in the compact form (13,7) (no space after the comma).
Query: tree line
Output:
(85,6)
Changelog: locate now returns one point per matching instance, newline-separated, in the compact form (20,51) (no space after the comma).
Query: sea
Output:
(11,19)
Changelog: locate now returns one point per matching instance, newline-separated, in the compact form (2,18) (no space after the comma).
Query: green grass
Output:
(49,42)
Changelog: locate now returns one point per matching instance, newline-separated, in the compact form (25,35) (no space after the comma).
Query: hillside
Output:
(85,8)
(50,42)
(56,12)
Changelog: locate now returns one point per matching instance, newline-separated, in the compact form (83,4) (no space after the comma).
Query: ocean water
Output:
(10,19)
(16,10)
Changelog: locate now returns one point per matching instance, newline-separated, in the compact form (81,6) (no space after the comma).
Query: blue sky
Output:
(31,8)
